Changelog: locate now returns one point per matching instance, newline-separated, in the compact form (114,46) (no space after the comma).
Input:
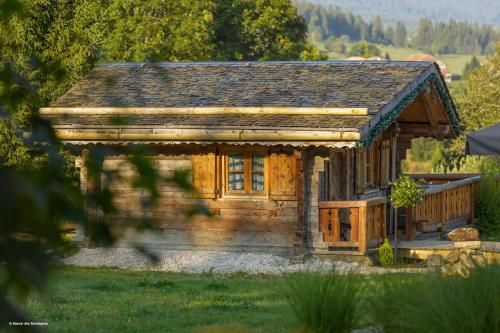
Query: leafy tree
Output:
(472,65)
(55,44)
(364,49)
(336,45)
(260,30)
(479,107)
(405,192)
(159,30)
(400,35)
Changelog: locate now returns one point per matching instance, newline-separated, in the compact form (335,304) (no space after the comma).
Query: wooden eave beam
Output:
(429,110)
(205,135)
(426,130)
(203,110)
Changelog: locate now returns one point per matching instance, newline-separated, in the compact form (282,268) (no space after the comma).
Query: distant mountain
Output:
(410,11)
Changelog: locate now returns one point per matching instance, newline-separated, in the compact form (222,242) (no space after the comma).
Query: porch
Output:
(359,226)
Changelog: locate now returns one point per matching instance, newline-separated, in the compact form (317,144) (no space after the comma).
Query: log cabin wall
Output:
(272,222)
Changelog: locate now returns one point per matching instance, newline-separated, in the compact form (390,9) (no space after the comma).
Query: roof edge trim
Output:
(389,114)
(206,135)
(203,110)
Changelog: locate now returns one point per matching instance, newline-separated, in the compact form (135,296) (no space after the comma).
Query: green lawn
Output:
(112,300)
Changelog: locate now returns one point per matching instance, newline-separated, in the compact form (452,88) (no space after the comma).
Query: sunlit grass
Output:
(112,300)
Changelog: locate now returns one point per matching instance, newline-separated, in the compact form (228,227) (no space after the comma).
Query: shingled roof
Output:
(133,89)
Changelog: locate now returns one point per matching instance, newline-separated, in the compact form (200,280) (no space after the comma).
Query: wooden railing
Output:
(353,224)
(442,203)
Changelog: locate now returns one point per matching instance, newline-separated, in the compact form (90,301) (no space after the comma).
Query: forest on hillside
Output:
(336,27)
(410,11)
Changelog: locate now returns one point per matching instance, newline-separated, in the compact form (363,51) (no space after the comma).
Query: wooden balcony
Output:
(353,224)
(447,198)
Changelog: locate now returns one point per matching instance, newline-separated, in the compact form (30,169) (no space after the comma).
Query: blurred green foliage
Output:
(487,209)
(364,49)
(433,303)
(324,302)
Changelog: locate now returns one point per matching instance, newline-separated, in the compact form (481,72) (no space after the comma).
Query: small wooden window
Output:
(245,172)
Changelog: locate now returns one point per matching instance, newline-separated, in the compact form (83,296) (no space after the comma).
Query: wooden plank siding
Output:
(266,223)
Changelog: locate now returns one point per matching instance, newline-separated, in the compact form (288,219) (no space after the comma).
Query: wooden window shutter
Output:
(205,174)
(360,170)
(385,163)
(376,164)
(282,175)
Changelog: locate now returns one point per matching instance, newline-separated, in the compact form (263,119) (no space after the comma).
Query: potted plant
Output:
(405,192)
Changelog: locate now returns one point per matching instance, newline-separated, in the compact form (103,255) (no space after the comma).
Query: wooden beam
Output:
(351,204)
(205,110)
(429,110)
(425,130)
(205,135)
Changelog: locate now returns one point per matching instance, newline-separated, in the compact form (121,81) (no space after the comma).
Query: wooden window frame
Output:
(247,172)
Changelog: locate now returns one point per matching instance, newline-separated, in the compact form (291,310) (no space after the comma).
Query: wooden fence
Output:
(442,203)
(353,224)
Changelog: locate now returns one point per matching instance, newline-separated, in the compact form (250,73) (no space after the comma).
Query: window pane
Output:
(257,162)
(236,181)
(258,182)
(236,161)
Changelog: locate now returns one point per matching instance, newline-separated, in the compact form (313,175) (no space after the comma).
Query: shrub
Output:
(385,254)
(324,303)
(406,192)
(433,303)
(487,208)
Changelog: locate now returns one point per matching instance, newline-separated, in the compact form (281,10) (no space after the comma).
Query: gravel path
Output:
(205,261)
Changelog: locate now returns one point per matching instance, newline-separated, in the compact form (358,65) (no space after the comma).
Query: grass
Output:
(112,300)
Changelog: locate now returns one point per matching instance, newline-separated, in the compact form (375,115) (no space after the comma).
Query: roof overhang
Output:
(391,111)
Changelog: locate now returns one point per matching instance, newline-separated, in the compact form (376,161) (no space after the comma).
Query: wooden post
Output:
(393,148)
(300,234)
(396,236)
(362,230)
(410,223)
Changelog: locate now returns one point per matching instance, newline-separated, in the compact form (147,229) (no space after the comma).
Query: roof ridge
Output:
(262,63)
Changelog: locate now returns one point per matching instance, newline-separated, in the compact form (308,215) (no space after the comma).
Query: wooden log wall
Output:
(271,224)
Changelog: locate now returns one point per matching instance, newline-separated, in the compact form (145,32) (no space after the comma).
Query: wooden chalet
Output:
(290,157)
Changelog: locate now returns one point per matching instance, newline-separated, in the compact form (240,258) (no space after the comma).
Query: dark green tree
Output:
(159,30)
(377,32)
(400,35)
(259,30)
(389,36)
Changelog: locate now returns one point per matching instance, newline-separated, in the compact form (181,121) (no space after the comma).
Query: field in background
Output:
(455,62)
